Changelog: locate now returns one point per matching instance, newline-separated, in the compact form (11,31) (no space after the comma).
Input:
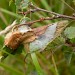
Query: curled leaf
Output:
(44,38)
(49,34)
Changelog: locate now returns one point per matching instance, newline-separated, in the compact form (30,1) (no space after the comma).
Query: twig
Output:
(40,20)
(7,29)
(61,16)
(29,11)
(47,18)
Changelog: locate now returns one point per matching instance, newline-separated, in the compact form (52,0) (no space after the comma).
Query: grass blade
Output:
(12,70)
(37,66)
(10,13)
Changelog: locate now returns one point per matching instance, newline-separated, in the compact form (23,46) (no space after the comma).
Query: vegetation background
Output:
(57,59)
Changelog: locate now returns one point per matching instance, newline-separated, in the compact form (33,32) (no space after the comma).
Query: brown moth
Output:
(40,30)
(18,35)
(22,34)
(14,39)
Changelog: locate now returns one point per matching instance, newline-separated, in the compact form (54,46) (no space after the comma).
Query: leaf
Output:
(70,32)
(21,4)
(43,40)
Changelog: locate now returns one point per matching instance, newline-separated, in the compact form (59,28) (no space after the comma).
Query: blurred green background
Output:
(55,64)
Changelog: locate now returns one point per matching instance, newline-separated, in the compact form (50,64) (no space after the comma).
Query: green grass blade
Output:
(37,66)
(10,13)
(59,7)
(12,70)
(45,4)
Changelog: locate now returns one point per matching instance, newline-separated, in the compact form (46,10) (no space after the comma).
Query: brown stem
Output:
(29,11)
(51,12)
(7,29)
(40,20)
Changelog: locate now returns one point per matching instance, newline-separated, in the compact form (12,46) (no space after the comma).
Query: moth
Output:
(14,38)
(22,34)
